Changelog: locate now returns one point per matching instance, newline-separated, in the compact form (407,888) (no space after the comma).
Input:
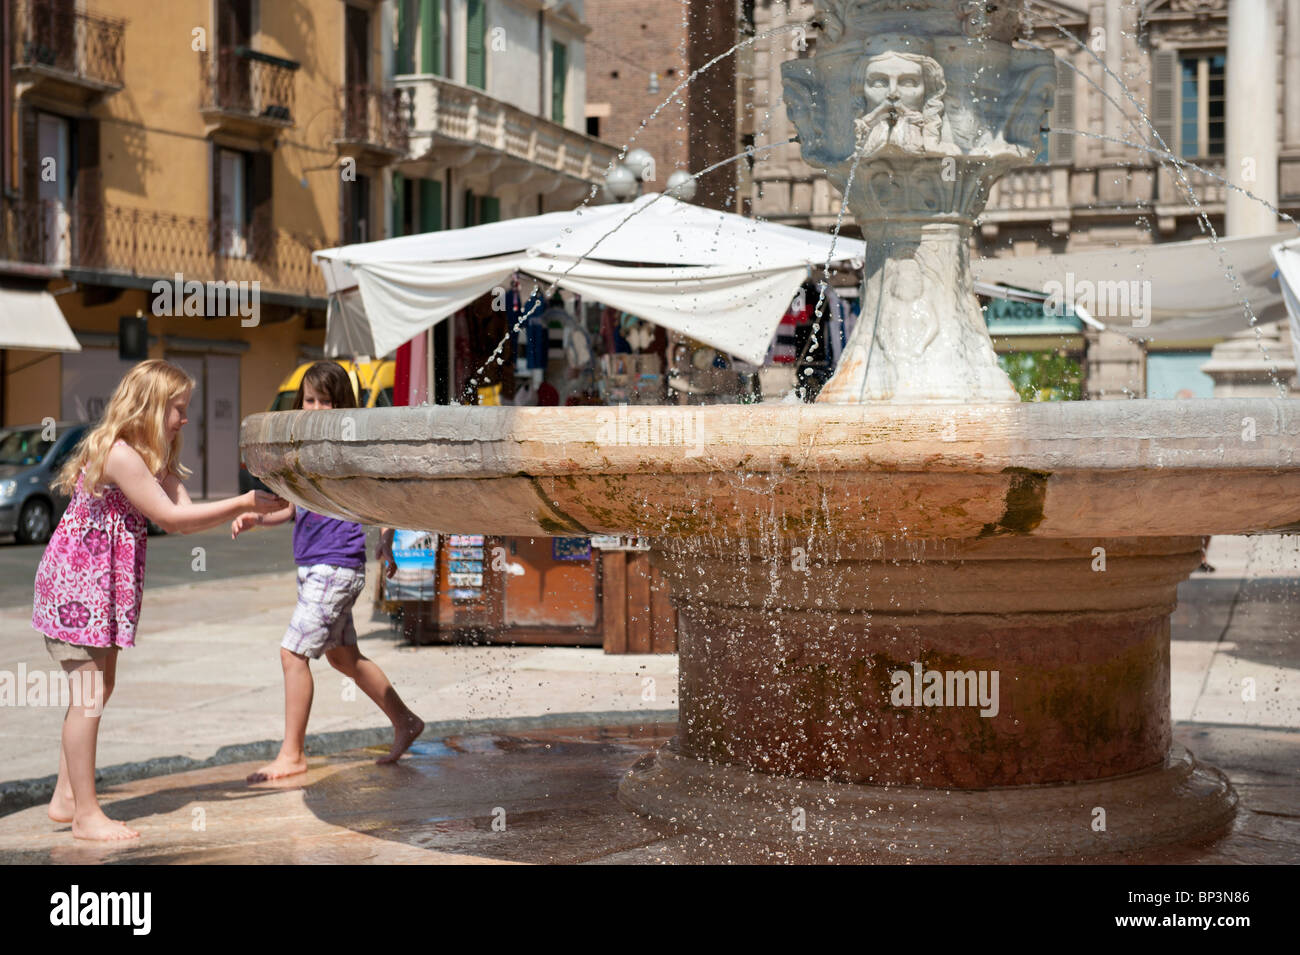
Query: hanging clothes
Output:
(537,346)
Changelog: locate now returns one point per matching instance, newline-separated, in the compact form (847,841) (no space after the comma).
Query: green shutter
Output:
(430,205)
(404,58)
(559,74)
(489,209)
(471,208)
(1164,97)
(1061,145)
(399,203)
(431,36)
(475,47)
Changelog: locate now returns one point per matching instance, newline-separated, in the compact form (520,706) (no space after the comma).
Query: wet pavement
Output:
(205,680)
(546,796)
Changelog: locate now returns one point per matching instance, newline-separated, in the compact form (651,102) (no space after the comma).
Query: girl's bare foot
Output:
(403,736)
(62,807)
(99,828)
(281,767)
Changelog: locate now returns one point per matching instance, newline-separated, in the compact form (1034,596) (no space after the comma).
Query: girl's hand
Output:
(384,554)
(264,502)
(244,522)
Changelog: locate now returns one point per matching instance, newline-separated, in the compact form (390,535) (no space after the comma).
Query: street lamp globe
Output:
(681,185)
(642,164)
(620,183)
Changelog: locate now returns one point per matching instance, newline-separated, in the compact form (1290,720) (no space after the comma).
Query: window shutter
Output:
(405,29)
(489,209)
(88,194)
(471,208)
(430,205)
(29,184)
(1164,97)
(1061,145)
(257,206)
(431,36)
(399,205)
(559,74)
(475,51)
(214,200)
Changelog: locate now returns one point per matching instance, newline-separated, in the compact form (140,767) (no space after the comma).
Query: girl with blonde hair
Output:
(125,472)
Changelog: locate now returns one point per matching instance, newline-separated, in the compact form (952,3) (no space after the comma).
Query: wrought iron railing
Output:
(51,34)
(143,243)
(374,117)
(243,81)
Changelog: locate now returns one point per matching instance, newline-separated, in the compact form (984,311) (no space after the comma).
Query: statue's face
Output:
(892,79)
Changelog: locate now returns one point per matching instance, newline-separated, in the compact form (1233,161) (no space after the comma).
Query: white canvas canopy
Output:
(720,278)
(1287,257)
(1190,294)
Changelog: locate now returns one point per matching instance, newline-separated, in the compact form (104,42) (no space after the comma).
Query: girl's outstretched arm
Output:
(250,519)
(125,468)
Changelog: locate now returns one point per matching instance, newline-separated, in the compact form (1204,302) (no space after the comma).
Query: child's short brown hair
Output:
(329,379)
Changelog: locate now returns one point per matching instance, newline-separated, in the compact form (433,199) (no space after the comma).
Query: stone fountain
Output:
(919,620)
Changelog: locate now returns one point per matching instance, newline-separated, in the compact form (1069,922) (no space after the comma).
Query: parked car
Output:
(372,382)
(29,461)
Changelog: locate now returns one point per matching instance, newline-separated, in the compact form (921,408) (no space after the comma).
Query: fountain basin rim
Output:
(454,442)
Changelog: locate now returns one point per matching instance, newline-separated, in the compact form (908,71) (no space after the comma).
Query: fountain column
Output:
(1252,115)
(914,110)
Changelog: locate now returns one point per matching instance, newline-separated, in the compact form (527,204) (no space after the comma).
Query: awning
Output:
(720,278)
(30,318)
(1191,295)
(1287,257)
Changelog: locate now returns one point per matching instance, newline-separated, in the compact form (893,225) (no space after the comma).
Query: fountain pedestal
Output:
(1030,679)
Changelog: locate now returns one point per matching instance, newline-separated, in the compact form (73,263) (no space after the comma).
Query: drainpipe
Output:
(541,63)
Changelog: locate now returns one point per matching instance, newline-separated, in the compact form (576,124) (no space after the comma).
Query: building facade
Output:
(178,163)
(661,78)
(1217,80)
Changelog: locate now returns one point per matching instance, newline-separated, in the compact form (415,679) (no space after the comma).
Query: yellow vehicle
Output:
(372,381)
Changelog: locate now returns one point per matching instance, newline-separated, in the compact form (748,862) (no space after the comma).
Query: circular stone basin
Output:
(900,603)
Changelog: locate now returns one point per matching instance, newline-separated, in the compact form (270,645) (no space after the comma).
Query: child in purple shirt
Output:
(331,559)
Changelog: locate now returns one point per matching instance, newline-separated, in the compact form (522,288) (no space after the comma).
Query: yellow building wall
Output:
(154,139)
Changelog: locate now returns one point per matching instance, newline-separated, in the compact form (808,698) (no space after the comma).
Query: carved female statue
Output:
(904,103)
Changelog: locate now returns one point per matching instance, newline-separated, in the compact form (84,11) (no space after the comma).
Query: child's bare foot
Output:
(99,828)
(403,736)
(281,767)
(62,807)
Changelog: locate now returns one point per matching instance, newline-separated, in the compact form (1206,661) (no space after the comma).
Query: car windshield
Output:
(24,447)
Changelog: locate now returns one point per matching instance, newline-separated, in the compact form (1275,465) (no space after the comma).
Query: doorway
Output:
(210,448)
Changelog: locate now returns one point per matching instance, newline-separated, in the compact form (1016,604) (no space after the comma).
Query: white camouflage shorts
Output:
(323,618)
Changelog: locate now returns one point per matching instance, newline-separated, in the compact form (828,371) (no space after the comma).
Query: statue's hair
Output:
(935,84)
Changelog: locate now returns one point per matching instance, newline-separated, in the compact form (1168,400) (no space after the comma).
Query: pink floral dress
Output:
(91,577)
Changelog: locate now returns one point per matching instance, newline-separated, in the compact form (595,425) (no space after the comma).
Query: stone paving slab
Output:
(546,796)
(204,685)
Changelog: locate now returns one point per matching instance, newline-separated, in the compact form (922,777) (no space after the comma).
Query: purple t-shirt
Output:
(318,539)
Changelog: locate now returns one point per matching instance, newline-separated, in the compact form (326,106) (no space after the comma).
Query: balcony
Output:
(455,126)
(1066,195)
(373,124)
(127,247)
(246,92)
(66,55)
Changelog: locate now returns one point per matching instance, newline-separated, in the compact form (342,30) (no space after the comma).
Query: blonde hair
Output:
(136,414)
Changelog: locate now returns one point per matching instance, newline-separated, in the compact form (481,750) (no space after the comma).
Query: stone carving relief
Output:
(903,95)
